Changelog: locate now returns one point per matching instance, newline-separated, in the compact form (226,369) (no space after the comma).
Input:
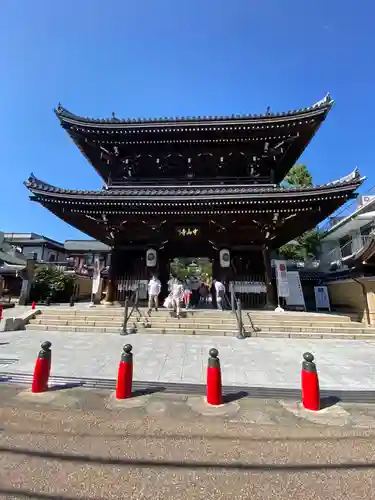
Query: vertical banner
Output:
(282,278)
(96,275)
(296,297)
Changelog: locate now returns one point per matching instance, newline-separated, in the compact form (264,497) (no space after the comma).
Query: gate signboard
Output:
(322,298)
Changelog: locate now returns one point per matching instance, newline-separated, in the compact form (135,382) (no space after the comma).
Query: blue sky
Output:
(144,58)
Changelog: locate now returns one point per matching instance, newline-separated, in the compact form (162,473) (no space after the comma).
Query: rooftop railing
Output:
(336,257)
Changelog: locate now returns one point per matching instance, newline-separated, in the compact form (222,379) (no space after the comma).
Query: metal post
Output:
(232,297)
(239,320)
(125,324)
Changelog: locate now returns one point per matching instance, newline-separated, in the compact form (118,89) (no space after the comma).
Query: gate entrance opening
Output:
(194,267)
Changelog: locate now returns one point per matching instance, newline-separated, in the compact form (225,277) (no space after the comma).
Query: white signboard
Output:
(131,285)
(248,287)
(322,298)
(282,278)
(295,297)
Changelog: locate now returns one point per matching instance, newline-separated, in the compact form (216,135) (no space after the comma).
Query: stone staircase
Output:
(202,322)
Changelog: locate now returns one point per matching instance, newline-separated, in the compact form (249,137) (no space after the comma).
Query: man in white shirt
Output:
(220,293)
(177,294)
(154,288)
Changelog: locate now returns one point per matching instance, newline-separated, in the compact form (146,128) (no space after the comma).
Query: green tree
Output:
(305,246)
(52,282)
(298,176)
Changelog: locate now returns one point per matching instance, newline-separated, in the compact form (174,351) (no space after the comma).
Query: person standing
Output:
(220,293)
(177,294)
(170,282)
(154,288)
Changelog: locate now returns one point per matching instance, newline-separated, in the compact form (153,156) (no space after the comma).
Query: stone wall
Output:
(350,295)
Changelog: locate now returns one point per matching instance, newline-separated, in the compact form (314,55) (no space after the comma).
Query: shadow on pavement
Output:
(68,385)
(192,465)
(329,401)
(234,396)
(18,493)
(147,391)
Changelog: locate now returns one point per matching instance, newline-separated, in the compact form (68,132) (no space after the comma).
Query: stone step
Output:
(69,328)
(207,314)
(368,334)
(220,318)
(319,329)
(111,329)
(118,324)
(63,317)
(197,324)
(262,323)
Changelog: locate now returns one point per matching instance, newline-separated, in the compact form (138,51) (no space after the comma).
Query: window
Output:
(345,246)
(367,229)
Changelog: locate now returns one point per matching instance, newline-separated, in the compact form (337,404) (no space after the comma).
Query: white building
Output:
(347,237)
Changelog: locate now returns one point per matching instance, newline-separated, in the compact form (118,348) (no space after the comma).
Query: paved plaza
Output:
(252,362)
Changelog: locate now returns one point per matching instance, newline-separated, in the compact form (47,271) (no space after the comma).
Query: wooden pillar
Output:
(112,275)
(270,290)
(162,272)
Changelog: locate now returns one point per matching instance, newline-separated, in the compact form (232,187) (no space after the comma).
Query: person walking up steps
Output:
(220,293)
(177,294)
(154,288)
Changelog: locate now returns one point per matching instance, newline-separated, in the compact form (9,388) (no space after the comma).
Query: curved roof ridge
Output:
(325,103)
(352,179)
(33,181)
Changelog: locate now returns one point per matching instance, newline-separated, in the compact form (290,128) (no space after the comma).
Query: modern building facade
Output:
(349,241)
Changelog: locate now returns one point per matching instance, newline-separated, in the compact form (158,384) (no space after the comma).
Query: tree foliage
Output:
(299,176)
(305,246)
(52,282)
(183,267)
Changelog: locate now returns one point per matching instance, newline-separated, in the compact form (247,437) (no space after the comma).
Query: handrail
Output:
(237,310)
(254,328)
(135,299)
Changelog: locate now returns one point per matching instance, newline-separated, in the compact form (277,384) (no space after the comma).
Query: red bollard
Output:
(125,374)
(214,388)
(33,305)
(1,312)
(310,384)
(42,368)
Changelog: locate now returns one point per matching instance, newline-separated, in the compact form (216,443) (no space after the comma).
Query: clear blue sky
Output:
(146,58)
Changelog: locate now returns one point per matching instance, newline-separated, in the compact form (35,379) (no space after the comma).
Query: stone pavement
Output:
(254,362)
(183,407)
(79,444)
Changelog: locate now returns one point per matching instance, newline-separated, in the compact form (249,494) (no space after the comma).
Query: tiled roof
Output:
(351,181)
(65,115)
(85,246)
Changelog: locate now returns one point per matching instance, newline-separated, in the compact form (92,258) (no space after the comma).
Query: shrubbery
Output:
(53,283)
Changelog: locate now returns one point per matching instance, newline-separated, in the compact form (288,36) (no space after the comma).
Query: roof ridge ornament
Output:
(354,176)
(327,99)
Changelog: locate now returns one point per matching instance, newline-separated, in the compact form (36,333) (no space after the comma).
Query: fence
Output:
(251,290)
(126,286)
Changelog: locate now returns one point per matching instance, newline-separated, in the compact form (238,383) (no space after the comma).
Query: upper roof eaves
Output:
(350,181)
(319,107)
